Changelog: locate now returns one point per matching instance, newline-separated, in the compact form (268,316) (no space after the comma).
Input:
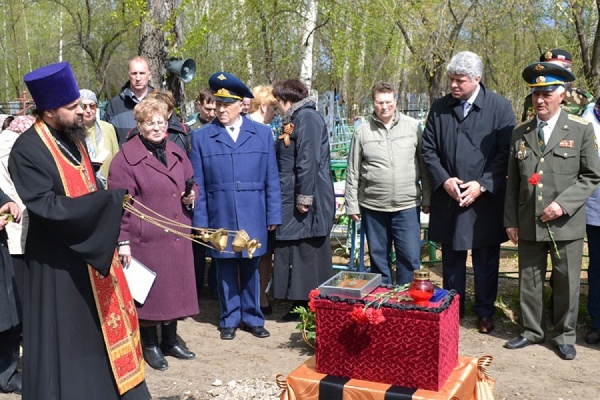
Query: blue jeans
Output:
(593,304)
(403,229)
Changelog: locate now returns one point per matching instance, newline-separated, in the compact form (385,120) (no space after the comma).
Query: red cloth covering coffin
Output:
(415,347)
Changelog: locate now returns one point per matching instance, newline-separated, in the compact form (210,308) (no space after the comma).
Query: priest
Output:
(80,329)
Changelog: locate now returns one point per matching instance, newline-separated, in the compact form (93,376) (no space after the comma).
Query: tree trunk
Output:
(310,24)
(154,46)
(241,22)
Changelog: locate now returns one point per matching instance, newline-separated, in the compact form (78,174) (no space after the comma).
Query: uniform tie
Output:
(540,133)
(466,108)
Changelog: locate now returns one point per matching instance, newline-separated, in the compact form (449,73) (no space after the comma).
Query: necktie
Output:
(540,133)
(466,108)
(233,133)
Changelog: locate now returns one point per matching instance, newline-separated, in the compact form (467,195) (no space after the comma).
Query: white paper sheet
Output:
(140,279)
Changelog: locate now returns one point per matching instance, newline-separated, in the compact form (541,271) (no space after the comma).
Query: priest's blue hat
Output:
(228,87)
(52,86)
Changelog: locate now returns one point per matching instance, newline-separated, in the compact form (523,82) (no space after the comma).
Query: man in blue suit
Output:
(236,171)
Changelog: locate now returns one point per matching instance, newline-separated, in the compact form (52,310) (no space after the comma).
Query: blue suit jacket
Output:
(238,181)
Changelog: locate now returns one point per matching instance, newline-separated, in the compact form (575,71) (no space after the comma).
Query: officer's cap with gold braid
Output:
(546,77)
(556,55)
(228,87)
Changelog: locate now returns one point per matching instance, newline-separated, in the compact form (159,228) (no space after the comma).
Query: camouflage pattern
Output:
(574,103)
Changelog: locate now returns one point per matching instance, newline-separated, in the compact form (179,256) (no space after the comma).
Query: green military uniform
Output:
(575,103)
(195,122)
(570,171)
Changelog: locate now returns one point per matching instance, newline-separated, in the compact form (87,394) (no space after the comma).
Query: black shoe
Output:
(150,349)
(258,331)
(14,385)
(290,316)
(178,351)
(268,310)
(593,336)
(567,351)
(227,333)
(518,343)
(170,345)
(154,357)
(485,325)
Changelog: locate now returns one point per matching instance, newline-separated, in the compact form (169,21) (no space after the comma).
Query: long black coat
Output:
(471,148)
(10,307)
(65,356)
(305,170)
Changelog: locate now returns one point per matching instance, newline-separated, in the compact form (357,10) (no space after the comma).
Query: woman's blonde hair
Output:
(163,95)
(263,95)
(149,107)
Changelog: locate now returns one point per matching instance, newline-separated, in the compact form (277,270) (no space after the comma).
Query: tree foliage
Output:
(355,44)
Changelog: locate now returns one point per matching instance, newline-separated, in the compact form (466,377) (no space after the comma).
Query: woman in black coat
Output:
(302,245)
(10,306)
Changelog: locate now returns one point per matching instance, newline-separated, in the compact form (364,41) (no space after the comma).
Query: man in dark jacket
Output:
(465,147)
(10,306)
(119,111)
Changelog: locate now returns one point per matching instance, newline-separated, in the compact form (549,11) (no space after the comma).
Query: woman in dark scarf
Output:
(154,172)
(302,245)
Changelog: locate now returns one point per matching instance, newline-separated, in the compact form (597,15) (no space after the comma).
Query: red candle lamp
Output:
(421,288)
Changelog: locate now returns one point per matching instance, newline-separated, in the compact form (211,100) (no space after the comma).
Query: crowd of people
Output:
(482,178)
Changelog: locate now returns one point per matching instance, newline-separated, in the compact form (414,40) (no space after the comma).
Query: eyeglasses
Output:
(92,107)
(150,124)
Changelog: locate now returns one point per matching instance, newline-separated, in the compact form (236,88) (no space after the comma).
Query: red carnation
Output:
(311,303)
(375,316)
(534,179)
(358,315)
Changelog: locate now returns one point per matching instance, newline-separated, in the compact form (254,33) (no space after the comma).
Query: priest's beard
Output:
(73,130)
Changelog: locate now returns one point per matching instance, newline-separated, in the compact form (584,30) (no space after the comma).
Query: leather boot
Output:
(170,346)
(152,354)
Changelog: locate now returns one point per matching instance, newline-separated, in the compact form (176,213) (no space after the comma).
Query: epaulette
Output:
(578,119)
(522,123)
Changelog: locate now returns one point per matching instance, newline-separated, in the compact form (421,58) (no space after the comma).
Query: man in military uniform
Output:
(205,105)
(575,101)
(553,168)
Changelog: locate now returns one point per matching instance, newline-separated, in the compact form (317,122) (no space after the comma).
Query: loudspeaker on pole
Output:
(184,69)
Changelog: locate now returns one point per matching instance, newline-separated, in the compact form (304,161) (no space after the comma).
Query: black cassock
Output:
(64,354)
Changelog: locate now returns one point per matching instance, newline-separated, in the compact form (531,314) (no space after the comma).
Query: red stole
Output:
(116,309)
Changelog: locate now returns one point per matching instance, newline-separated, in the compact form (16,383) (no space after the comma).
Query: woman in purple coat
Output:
(154,171)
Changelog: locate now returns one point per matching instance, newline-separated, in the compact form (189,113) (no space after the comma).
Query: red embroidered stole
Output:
(116,309)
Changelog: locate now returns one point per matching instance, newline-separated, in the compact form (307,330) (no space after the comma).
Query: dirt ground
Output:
(535,372)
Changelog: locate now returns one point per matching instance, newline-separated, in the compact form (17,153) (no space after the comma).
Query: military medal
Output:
(522,152)
(567,144)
